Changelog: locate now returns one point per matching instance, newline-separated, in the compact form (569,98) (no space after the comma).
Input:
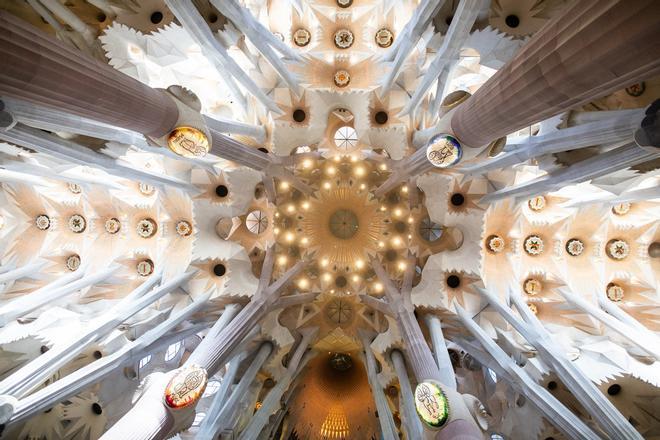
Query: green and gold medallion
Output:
(431,404)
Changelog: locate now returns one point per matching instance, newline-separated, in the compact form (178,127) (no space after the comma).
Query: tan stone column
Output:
(591,49)
(39,69)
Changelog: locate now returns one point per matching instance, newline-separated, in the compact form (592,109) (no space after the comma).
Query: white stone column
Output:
(584,390)
(600,165)
(405,42)
(553,410)
(220,397)
(411,166)
(618,128)
(635,195)
(92,373)
(447,375)
(196,26)
(42,296)
(272,400)
(213,352)
(224,418)
(56,120)
(231,149)
(39,69)
(449,52)
(261,38)
(550,74)
(387,427)
(411,422)
(222,125)
(68,151)
(400,306)
(646,341)
(35,372)
(29,269)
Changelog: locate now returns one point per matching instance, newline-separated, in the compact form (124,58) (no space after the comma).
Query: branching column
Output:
(35,372)
(226,416)
(272,400)
(90,374)
(591,49)
(388,430)
(412,424)
(447,375)
(584,390)
(214,351)
(42,70)
(399,306)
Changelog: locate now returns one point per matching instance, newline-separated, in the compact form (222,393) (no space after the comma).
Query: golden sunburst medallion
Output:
(342,224)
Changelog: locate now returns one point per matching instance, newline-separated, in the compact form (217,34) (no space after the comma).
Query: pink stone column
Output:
(42,70)
(591,49)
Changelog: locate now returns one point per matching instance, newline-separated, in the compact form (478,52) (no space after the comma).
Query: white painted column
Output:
(388,429)
(92,373)
(601,165)
(35,372)
(411,422)
(447,375)
(44,295)
(554,411)
(224,418)
(272,400)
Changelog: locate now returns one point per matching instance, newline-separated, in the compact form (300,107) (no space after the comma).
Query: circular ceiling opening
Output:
(381,117)
(299,115)
(453,281)
(512,21)
(343,224)
(221,191)
(341,361)
(457,199)
(219,270)
(156,17)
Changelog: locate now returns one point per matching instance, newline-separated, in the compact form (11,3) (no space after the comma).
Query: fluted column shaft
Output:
(230,149)
(34,373)
(591,49)
(213,352)
(412,424)
(69,151)
(46,118)
(417,350)
(225,417)
(554,411)
(86,376)
(619,128)
(605,163)
(447,375)
(20,272)
(40,297)
(39,69)
(272,400)
(388,430)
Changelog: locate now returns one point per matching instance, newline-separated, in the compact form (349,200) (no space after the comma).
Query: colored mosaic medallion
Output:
(185,387)
(188,142)
(431,404)
(443,151)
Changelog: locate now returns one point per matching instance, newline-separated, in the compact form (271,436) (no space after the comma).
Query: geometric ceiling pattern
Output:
(295,219)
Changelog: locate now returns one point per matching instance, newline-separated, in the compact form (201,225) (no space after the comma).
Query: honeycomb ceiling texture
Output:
(287,219)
